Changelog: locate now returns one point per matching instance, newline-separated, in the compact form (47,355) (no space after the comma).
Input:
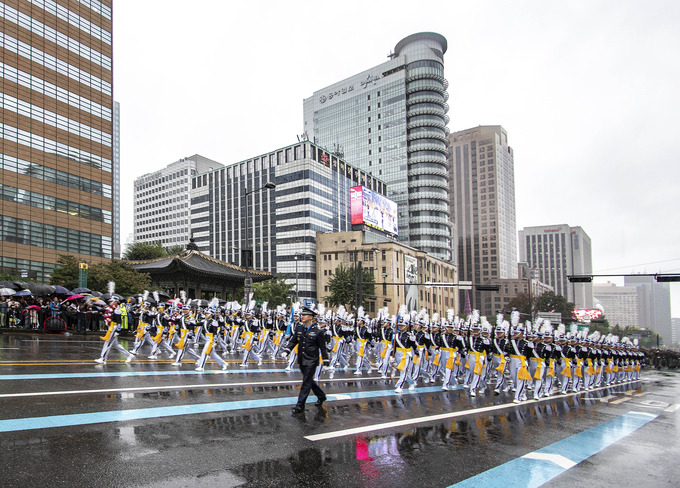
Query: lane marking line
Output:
(561,461)
(644,414)
(449,415)
(620,400)
(672,408)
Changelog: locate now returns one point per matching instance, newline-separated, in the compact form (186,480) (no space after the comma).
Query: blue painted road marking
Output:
(11,425)
(539,467)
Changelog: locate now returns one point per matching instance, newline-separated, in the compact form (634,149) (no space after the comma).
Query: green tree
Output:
(128,281)
(523,303)
(10,277)
(172,250)
(141,251)
(275,291)
(552,302)
(344,283)
(601,325)
(66,274)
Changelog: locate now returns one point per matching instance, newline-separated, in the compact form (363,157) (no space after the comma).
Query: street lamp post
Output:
(297,284)
(248,282)
(359,278)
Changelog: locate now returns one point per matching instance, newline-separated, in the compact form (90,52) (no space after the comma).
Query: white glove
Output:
(285,355)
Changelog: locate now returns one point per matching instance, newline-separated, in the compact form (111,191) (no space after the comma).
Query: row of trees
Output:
(142,251)
(128,281)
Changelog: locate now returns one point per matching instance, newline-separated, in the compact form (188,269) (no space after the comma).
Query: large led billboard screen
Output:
(370,208)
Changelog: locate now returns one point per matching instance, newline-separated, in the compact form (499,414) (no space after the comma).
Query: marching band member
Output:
(405,344)
(111,338)
(210,328)
(363,336)
(251,327)
(498,348)
(187,326)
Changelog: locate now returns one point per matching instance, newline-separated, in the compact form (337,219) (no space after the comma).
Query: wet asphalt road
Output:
(67,421)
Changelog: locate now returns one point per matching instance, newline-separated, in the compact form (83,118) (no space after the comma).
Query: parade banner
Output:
(411,276)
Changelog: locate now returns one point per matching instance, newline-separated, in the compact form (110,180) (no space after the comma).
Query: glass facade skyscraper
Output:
(312,194)
(57,160)
(390,121)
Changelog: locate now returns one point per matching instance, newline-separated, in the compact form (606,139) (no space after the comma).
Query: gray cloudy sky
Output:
(588,92)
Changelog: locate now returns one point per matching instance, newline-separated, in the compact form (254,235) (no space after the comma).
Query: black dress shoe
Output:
(298,410)
(320,401)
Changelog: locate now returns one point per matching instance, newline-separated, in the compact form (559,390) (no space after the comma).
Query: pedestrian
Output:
(54,307)
(81,315)
(4,308)
(311,343)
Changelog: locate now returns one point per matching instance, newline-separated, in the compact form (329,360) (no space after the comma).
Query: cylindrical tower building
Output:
(428,188)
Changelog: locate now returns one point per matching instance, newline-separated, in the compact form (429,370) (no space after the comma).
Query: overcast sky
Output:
(588,92)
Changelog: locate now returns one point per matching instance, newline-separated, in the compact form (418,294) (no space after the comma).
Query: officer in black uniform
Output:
(312,343)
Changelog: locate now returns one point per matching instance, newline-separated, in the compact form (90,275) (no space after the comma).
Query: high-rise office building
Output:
(116,180)
(483,203)
(312,194)
(560,251)
(620,303)
(161,201)
(390,121)
(654,305)
(56,146)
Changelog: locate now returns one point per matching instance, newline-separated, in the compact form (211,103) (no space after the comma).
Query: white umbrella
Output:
(7,292)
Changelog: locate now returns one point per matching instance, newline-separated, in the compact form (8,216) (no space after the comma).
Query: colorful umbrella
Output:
(75,297)
(23,293)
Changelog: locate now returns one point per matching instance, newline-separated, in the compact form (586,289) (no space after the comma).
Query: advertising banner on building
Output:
(356,201)
(374,210)
(411,276)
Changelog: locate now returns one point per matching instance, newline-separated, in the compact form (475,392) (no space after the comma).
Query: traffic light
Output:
(580,279)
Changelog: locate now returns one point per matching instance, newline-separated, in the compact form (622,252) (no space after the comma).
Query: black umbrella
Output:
(22,285)
(108,296)
(200,303)
(42,290)
(97,294)
(60,290)
(80,291)
(10,284)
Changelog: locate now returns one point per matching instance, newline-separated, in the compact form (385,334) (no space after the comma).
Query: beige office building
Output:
(620,303)
(482,189)
(394,266)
